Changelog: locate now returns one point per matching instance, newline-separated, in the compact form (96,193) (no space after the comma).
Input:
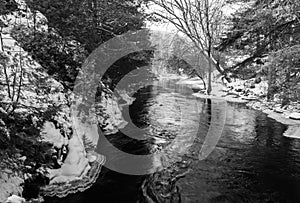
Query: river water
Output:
(252,161)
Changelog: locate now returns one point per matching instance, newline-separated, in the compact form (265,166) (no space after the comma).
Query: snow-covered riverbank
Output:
(251,94)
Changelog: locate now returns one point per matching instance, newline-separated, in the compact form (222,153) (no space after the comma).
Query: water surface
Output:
(252,162)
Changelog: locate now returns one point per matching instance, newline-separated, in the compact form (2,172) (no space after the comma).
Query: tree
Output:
(200,21)
(72,29)
(263,39)
(285,81)
(257,29)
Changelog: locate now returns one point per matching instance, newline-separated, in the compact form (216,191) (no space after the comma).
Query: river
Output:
(252,161)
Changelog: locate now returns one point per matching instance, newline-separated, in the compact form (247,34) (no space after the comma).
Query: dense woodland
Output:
(260,40)
(266,35)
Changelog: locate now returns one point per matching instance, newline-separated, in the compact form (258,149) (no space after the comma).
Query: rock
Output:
(295,116)
(252,85)
(75,166)
(238,89)
(76,185)
(91,158)
(15,199)
(52,135)
(257,80)
(249,84)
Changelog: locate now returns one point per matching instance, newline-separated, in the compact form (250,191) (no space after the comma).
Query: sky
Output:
(168,27)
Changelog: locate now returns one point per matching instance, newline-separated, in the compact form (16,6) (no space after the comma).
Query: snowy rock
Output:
(74,167)
(91,158)
(252,86)
(257,80)
(295,116)
(53,135)
(239,89)
(15,199)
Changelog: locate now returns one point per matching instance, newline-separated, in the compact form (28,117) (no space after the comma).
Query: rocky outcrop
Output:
(52,135)
(74,167)
(81,168)
(62,189)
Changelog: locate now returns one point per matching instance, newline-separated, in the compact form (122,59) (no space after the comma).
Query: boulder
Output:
(295,116)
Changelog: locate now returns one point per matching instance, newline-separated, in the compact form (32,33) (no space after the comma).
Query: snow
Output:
(15,199)
(114,120)
(75,166)
(192,81)
(293,132)
(295,116)
(9,184)
(52,135)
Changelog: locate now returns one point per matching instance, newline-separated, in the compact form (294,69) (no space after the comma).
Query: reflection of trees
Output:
(266,163)
(216,118)
(125,65)
(209,110)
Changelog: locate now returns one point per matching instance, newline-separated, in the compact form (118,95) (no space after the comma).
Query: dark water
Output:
(252,161)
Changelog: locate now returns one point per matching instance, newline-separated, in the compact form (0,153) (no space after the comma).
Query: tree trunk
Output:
(204,84)
(209,89)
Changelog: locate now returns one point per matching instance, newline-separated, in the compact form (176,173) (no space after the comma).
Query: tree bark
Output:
(209,88)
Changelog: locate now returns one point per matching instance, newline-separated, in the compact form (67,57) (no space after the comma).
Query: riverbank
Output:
(253,95)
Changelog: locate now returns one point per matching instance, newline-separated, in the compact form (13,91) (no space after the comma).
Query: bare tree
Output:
(200,21)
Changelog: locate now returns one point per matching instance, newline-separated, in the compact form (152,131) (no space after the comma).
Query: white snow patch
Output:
(75,166)
(192,81)
(293,132)
(295,116)
(15,199)
(53,135)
